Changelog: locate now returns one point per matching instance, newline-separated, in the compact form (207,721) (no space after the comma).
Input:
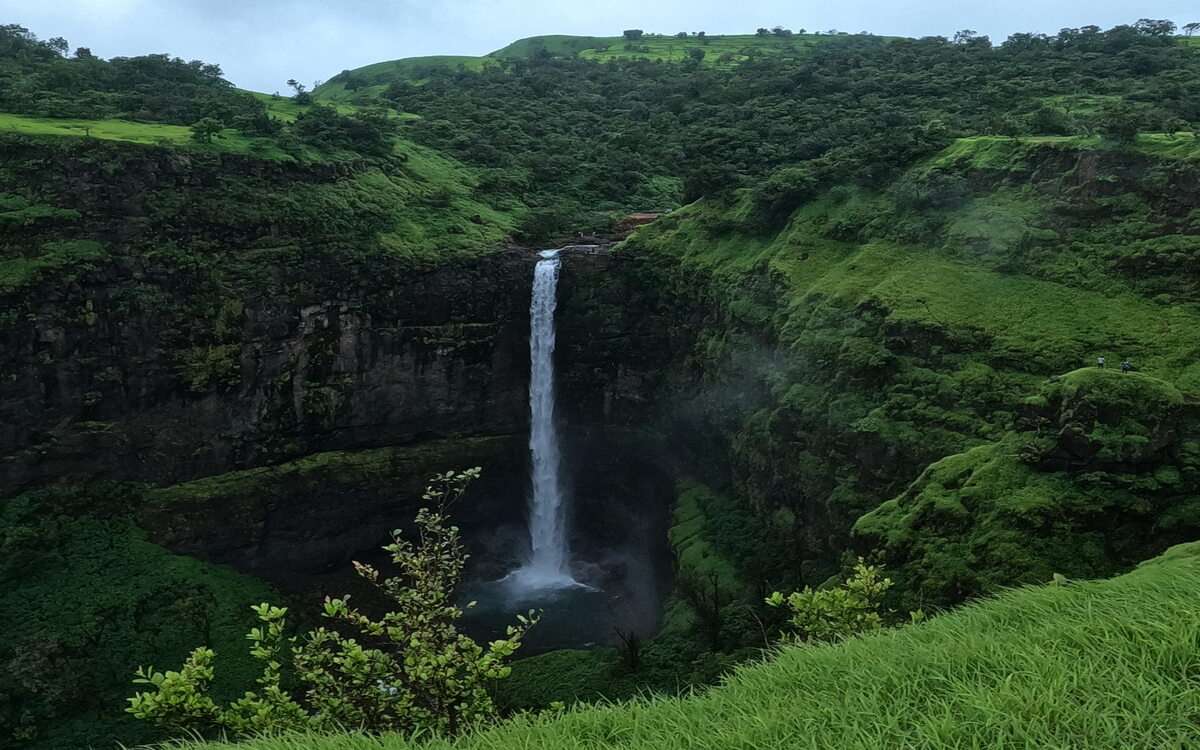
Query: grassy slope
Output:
(667,48)
(719,50)
(229,141)
(285,109)
(1107,664)
(994,151)
(1023,318)
(176,136)
(408,68)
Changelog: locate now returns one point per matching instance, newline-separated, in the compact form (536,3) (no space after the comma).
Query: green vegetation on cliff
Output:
(911,324)
(297,232)
(1103,665)
(1101,471)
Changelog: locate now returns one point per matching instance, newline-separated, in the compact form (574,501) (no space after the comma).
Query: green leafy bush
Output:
(410,671)
(823,615)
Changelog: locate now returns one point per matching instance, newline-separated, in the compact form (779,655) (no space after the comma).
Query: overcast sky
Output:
(262,43)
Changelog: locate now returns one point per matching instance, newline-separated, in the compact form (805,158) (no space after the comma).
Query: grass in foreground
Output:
(1104,664)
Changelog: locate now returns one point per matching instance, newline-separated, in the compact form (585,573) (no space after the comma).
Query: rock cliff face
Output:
(103,399)
(314,436)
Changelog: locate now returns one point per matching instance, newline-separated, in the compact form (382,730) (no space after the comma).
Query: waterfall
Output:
(547,566)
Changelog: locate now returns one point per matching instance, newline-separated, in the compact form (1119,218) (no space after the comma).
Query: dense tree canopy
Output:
(36,77)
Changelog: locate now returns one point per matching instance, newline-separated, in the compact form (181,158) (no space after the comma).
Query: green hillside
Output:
(1099,665)
(369,81)
(720,49)
(923,323)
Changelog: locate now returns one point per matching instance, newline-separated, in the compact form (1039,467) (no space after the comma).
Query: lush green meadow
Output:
(1106,664)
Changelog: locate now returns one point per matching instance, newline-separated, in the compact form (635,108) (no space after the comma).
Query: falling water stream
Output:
(615,589)
(548,563)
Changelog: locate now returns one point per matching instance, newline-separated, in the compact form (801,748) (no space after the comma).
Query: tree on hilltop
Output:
(301,96)
(1155,27)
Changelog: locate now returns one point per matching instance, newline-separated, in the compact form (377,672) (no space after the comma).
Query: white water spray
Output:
(547,566)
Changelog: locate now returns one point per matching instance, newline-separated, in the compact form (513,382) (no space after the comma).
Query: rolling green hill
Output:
(720,51)
(1088,666)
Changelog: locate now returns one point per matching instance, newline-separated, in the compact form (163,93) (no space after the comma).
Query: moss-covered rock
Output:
(1106,418)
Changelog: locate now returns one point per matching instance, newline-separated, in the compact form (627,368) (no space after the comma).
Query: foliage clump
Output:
(409,671)
(833,614)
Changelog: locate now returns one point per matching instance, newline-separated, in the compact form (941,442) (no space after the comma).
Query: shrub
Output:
(410,671)
(837,613)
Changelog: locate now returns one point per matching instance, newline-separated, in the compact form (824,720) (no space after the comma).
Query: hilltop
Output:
(719,50)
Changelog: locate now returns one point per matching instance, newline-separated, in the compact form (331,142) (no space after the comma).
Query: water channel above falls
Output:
(613,577)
